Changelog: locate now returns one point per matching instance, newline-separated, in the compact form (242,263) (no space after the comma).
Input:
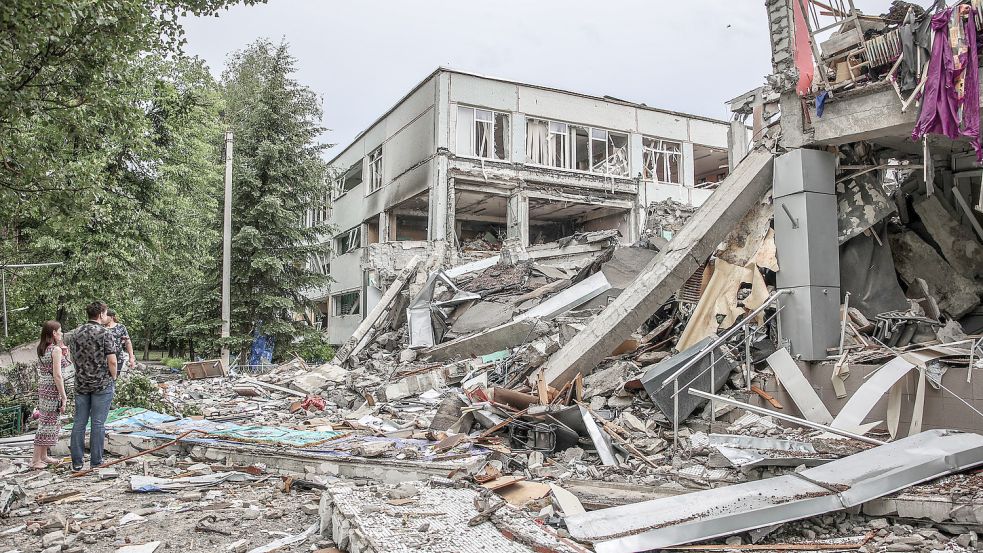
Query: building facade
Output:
(464,162)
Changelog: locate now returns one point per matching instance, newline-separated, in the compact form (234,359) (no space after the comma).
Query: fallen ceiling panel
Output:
(840,484)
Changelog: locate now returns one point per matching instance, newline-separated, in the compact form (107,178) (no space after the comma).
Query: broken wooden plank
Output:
(359,338)
(667,272)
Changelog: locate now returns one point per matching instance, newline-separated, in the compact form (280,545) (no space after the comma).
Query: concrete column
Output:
(737,143)
(518,137)
(635,154)
(517,217)
(441,204)
(689,168)
(387,226)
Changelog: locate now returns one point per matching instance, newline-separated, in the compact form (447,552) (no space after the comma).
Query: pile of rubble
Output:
(499,404)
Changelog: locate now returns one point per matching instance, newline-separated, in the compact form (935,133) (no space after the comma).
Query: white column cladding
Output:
(635,155)
(517,217)
(518,137)
(689,165)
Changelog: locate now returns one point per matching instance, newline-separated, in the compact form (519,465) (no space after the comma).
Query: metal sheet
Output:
(863,400)
(798,388)
(724,511)
(697,377)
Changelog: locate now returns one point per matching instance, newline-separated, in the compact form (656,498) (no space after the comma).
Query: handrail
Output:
(782,416)
(726,335)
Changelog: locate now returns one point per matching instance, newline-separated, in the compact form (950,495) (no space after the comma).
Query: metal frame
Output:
(710,350)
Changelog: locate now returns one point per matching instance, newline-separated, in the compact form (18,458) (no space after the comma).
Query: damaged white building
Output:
(463,162)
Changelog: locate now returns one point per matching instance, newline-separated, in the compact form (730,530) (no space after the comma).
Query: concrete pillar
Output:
(387,226)
(635,155)
(689,167)
(517,217)
(518,137)
(440,227)
(808,252)
(737,143)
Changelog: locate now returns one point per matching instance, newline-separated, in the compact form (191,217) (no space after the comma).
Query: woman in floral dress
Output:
(53,357)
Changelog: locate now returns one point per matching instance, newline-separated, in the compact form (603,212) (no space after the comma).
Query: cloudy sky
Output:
(362,56)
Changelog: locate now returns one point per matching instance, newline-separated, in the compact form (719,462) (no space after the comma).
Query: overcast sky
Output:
(362,56)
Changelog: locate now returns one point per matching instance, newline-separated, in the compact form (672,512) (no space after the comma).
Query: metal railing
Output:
(711,351)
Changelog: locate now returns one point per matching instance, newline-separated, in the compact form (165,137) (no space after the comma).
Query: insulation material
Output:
(867,272)
(720,298)
(861,204)
(798,388)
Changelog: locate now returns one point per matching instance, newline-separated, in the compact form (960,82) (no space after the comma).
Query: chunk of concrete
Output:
(958,243)
(956,294)
(501,337)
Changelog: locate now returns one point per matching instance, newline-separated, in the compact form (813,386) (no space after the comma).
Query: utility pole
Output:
(227,250)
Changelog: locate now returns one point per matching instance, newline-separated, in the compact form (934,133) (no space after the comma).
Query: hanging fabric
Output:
(950,105)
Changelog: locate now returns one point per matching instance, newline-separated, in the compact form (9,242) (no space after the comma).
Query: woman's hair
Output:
(112,313)
(47,336)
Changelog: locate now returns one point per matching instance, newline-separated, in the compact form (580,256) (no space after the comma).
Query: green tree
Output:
(278,175)
(89,135)
(145,238)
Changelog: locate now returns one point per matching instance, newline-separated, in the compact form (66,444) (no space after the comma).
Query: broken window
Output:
(351,179)
(581,148)
(319,263)
(566,146)
(348,241)
(661,160)
(375,170)
(482,133)
(347,303)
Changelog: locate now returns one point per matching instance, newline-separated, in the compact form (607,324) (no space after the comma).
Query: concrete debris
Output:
(512,389)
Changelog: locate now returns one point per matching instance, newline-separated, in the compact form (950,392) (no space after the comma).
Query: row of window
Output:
(318,213)
(485,134)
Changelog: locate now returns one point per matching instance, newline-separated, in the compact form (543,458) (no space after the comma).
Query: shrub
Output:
(140,391)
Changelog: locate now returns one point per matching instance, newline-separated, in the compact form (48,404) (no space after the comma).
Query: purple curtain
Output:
(944,110)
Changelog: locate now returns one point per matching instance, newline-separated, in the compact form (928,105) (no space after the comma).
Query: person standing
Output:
(53,357)
(121,336)
(94,352)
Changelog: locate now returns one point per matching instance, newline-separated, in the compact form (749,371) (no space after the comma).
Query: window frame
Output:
(353,234)
(656,151)
(338,189)
(570,146)
(492,122)
(336,303)
(374,163)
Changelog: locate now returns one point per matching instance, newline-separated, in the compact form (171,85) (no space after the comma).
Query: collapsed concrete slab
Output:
(837,485)
(956,294)
(508,335)
(667,272)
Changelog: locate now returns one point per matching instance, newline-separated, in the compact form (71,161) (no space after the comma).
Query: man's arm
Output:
(129,347)
(109,346)
(111,359)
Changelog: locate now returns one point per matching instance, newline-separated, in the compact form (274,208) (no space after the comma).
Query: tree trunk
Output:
(146,346)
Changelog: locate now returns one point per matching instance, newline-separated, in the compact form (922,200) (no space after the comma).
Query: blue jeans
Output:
(96,407)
